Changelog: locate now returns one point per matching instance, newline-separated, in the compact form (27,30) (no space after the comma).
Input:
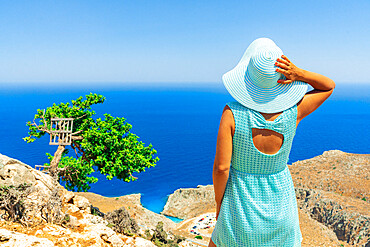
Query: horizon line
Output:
(58,83)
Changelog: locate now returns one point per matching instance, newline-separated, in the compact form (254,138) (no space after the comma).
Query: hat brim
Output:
(265,100)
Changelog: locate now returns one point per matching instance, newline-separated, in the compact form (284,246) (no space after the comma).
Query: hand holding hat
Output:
(288,69)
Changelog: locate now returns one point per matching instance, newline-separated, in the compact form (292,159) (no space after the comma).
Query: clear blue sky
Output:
(176,41)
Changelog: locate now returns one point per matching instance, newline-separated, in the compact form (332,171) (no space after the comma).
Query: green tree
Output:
(105,145)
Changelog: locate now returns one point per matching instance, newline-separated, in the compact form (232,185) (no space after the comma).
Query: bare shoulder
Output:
(227,114)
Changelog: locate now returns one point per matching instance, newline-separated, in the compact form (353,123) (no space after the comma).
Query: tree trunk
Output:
(56,159)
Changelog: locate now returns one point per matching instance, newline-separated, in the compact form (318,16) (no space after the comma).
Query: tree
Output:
(103,145)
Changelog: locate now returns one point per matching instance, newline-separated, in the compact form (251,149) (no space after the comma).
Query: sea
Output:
(181,121)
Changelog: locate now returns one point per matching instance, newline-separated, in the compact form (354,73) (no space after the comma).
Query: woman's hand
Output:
(323,86)
(288,69)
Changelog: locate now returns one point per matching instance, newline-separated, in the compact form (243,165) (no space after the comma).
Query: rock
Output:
(73,221)
(5,235)
(332,153)
(141,242)
(80,227)
(71,208)
(93,219)
(14,239)
(81,202)
(87,235)
(331,210)
(334,189)
(68,196)
(145,218)
(47,194)
(15,174)
(43,179)
(148,219)
(56,230)
(336,171)
(188,203)
(103,234)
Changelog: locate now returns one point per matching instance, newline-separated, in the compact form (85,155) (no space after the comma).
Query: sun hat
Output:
(253,82)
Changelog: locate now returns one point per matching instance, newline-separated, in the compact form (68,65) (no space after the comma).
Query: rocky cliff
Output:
(189,203)
(132,203)
(51,215)
(332,192)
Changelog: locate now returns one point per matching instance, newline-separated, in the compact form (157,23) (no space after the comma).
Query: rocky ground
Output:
(79,225)
(332,192)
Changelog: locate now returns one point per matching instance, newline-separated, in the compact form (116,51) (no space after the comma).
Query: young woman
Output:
(254,192)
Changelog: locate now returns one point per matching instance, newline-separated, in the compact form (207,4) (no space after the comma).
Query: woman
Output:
(254,192)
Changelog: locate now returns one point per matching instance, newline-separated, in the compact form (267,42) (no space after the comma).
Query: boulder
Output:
(71,209)
(82,203)
(68,196)
(14,172)
(190,202)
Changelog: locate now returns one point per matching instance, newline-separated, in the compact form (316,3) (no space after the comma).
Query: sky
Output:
(154,41)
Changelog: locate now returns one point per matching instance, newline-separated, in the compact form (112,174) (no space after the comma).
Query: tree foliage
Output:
(103,144)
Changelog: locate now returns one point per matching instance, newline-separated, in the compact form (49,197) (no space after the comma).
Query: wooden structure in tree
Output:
(61,131)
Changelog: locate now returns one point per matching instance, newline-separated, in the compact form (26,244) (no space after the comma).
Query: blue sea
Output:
(181,121)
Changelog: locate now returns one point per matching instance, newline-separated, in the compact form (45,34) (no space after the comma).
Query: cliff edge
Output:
(332,192)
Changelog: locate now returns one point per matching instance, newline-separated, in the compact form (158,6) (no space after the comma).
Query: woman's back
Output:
(246,156)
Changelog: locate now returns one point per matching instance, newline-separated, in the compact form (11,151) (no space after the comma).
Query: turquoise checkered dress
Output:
(259,207)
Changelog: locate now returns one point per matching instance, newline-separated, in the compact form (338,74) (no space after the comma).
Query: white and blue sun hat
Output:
(253,82)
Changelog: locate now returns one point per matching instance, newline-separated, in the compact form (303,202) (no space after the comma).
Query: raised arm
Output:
(224,149)
(323,86)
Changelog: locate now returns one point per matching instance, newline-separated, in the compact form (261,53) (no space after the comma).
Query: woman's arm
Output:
(323,86)
(222,161)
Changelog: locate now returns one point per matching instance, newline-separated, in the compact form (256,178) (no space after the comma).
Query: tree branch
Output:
(77,132)
(43,127)
(79,148)
(81,116)
(74,150)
